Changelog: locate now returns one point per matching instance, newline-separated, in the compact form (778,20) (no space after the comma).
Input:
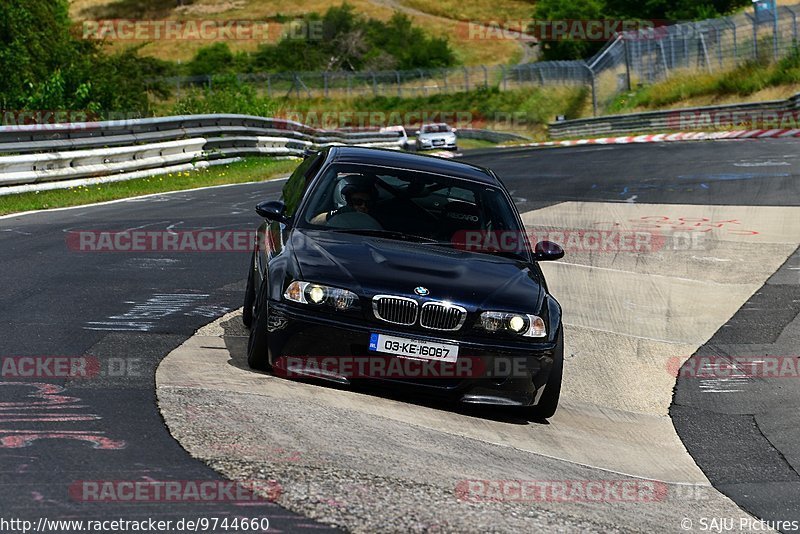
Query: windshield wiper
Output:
(390,234)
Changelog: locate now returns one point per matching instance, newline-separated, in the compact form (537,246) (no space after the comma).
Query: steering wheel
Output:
(354,220)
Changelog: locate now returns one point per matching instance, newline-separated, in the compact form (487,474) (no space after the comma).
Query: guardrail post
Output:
(794,24)
(775,36)
(671,51)
(704,50)
(374,83)
(446,86)
(399,84)
(686,45)
(594,89)
(466,79)
(269,86)
(208,81)
(735,47)
(504,81)
(663,58)
(485,76)
(325,83)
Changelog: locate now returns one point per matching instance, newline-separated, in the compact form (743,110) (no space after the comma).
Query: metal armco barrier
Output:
(763,115)
(56,152)
(32,168)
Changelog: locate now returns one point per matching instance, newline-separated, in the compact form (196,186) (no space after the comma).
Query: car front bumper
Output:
(449,144)
(303,344)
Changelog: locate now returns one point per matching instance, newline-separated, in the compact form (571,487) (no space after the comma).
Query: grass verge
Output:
(750,78)
(524,110)
(249,170)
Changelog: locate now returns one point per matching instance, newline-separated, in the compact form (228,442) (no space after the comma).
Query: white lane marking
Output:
(693,280)
(710,258)
(171,227)
(142,317)
(15,231)
(127,230)
(625,335)
(129,199)
(764,164)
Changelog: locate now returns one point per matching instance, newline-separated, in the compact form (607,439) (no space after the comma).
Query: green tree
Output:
(213,59)
(675,10)
(560,10)
(47,68)
(35,44)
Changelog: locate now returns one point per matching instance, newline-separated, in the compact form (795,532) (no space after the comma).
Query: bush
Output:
(217,59)
(226,95)
(569,10)
(349,41)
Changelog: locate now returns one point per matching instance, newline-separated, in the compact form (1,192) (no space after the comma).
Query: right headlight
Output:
(320,295)
(517,323)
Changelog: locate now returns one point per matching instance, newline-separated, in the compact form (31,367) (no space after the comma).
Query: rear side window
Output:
(298,182)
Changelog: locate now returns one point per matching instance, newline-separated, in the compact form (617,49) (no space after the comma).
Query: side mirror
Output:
(417,132)
(547,251)
(272,210)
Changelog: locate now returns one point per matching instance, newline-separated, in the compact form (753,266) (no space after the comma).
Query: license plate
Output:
(438,143)
(413,348)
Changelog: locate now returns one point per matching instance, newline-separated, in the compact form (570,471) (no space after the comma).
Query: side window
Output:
(297,183)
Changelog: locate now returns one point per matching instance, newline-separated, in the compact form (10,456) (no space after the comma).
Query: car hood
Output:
(370,266)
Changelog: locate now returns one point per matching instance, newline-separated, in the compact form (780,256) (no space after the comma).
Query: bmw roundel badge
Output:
(421,291)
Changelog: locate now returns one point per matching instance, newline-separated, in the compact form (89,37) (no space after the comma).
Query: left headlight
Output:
(516,323)
(320,295)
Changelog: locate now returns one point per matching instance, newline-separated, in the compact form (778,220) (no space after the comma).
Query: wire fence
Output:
(715,45)
(401,83)
(632,58)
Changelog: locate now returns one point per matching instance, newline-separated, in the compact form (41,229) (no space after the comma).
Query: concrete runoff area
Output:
(371,461)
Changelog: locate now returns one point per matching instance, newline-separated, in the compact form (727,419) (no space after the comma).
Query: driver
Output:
(359,194)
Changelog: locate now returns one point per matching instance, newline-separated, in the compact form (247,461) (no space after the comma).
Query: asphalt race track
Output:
(728,285)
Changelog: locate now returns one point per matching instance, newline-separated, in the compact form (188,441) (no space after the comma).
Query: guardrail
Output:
(764,115)
(63,155)
(56,156)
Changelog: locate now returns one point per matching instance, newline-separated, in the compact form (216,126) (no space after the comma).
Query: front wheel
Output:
(250,295)
(257,356)
(552,392)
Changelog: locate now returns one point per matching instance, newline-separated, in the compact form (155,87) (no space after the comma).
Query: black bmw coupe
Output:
(410,269)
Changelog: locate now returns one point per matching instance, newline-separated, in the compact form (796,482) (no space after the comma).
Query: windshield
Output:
(436,128)
(408,205)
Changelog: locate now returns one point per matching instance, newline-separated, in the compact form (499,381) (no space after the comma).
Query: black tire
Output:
(250,294)
(552,392)
(257,356)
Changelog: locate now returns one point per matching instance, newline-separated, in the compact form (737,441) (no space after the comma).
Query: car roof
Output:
(414,162)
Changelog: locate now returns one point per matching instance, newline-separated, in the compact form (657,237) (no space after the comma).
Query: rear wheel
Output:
(250,294)
(548,403)
(257,356)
